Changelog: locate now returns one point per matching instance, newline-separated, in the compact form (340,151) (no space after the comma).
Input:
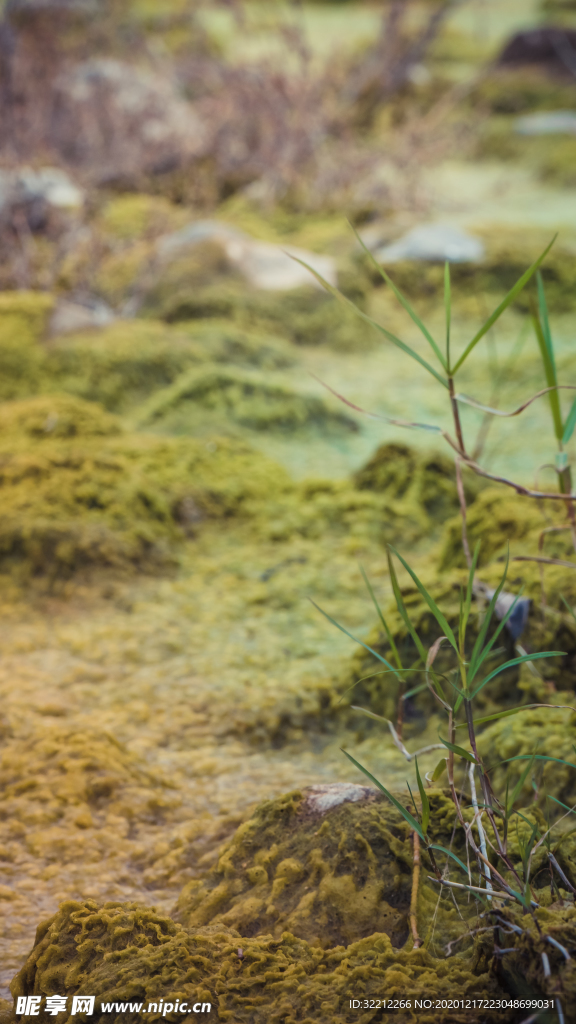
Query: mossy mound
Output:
(126,952)
(330,880)
(498,518)
(202,285)
(23,321)
(90,499)
(519,91)
(316,506)
(60,783)
(130,217)
(508,255)
(428,479)
(243,396)
(124,364)
(546,732)
(55,416)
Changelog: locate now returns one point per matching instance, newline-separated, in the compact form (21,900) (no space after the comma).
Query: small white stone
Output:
(324,796)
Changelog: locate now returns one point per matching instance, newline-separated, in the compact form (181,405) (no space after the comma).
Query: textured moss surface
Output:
(128,952)
(245,396)
(426,479)
(88,496)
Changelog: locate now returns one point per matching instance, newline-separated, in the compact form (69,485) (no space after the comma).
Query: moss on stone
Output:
(203,285)
(244,396)
(427,479)
(88,496)
(124,364)
(122,952)
(134,216)
(23,321)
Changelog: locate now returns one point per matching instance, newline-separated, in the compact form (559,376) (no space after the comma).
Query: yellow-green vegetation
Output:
(128,952)
(423,478)
(251,398)
(23,321)
(507,256)
(517,91)
(131,217)
(124,364)
(330,879)
(201,284)
(85,498)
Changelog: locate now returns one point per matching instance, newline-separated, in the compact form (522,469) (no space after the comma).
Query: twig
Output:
(478,820)
(462,500)
(415,885)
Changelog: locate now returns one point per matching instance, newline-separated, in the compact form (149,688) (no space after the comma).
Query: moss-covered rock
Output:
(89,496)
(330,879)
(244,396)
(428,479)
(23,322)
(203,285)
(126,952)
(124,364)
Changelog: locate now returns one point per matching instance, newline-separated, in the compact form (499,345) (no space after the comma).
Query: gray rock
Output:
(434,243)
(547,122)
(323,797)
(72,315)
(34,193)
(264,265)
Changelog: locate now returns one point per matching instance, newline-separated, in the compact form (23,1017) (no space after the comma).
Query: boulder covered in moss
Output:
(85,494)
(426,479)
(23,323)
(245,396)
(122,365)
(127,953)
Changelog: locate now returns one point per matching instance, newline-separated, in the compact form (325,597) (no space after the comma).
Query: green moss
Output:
(559,163)
(518,91)
(330,880)
(129,217)
(244,396)
(508,255)
(86,498)
(498,518)
(122,952)
(124,364)
(23,321)
(545,732)
(55,416)
(426,479)
(202,285)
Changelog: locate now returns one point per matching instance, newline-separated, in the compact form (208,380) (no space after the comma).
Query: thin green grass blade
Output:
(424,799)
(356,640)
(544,340)
(389,636)
(517,288)
(516,661)
(570,423)
(571,610)
(537,757)
(403,301)
(405,813)
(519,785)
(439,769)
(440,618)
(369,714)
(448,311)
(413,800)
(368,319)
(402,608)
(545,321)
(572,810)
(449,853)
(478,649)
(459,750)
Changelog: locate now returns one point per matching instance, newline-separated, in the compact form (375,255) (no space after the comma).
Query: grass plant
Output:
(486,823)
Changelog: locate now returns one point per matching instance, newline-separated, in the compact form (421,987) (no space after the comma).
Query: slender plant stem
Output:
(478,819)
(415,887)
(462,500)
(456,415)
